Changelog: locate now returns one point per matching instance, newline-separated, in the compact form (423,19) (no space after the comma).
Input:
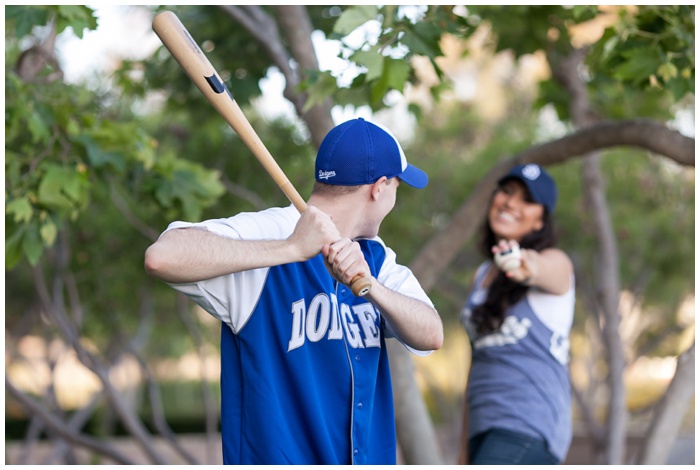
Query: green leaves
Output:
(23,18)
(20,209)
(372,60)
(637,65)
(319,86)
(53,193)
(62,189)
(383,58)
(647,50)
(65,143)
(353,18)
(78,17)
(652,49)
(184,187)
(423,39)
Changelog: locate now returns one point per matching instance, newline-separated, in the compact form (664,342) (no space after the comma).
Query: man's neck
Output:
(346,212)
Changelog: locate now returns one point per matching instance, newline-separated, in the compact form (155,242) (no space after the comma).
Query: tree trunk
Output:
(296,25)
(669,412)
(566,72)
(608,301)
(414,428)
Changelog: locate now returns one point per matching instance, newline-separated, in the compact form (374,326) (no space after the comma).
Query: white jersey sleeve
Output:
(232,298)
(401,279)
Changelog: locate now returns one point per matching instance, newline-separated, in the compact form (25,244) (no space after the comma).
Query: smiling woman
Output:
(518,317)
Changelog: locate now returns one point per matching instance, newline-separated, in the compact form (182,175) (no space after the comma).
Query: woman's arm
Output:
(549,269)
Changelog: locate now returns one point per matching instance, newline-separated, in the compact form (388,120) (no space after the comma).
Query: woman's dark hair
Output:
(503,292)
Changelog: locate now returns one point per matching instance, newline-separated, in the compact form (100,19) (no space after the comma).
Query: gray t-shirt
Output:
(519,377)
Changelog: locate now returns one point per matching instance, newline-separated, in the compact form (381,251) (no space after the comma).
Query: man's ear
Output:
(378,187)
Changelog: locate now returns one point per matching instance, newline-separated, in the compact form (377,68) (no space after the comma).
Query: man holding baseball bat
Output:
(305,373)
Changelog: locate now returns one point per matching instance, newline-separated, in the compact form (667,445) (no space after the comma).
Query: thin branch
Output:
(595,431)
(60,428)
(211,411)
(75,424)
(157,414)
(263,29)
(126,212)
(640,133)
(296,27)
(243,193)
(36,426)
(67,330)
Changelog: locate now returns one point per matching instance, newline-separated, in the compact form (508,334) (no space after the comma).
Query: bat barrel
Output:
(187,53)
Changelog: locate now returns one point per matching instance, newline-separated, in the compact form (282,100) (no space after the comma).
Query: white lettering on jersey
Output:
(368,317)
(511,331)
(325,318)
(352,331)
(298,322)
(318,317)
(336,331)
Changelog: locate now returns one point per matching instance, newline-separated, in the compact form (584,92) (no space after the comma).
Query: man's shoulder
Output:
(275,222)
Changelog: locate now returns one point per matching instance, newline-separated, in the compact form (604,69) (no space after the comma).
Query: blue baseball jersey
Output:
(304,368)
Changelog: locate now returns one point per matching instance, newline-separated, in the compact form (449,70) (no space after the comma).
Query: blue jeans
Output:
(503,447)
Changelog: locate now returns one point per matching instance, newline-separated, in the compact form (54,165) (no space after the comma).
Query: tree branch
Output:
(210,409)
(126,212)
(243,192)
(263,29)
(60,428)
(640,133)
(75,424)
(68,332)
(668,416)
(297,28)
(440,251)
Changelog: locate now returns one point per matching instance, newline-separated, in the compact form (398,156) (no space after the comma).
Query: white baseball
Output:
(509,259)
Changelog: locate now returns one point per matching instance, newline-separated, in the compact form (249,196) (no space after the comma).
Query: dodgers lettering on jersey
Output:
(304,369)
(323,317)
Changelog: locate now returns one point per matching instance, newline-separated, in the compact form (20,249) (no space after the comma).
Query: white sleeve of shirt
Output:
(401,279)
(232,298)
(555,311)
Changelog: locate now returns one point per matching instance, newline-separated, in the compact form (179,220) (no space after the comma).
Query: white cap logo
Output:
(531,172)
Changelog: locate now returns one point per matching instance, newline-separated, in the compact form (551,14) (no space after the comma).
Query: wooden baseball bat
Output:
(187,53)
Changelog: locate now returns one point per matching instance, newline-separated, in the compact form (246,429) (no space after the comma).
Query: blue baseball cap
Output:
(542,187)
(359,152)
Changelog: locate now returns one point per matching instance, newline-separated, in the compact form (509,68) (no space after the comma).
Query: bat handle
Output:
(360,286)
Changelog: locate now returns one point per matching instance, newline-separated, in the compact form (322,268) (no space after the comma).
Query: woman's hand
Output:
(549,270)
(516,263)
